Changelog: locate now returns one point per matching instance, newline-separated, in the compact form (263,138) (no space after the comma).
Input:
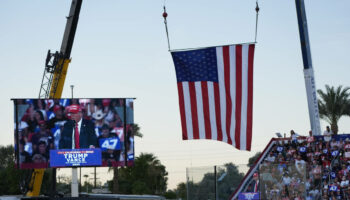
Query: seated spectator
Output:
(344,171)
(347,150)
(347,193)
(291,151)
(334,143)
(344,183)
(310,139)
(271,158)
(338,195)
(43,149)
(299,161)
(286,179)
(325,195)
(315,193)
(317,151)
(275,192)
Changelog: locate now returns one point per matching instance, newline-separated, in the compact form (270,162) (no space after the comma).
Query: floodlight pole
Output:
(187,185)
(75,184)
(72,87)
(308,70)
(215,183)
(17,134)
(95,177)
(125,136)
(79,178)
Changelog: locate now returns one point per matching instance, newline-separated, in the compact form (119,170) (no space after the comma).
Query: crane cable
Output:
(165,15)
(256,20)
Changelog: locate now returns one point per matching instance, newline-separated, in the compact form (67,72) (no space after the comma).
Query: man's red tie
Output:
(76,136)
(256,187)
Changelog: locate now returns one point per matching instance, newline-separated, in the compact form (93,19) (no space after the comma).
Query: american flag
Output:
(215,87)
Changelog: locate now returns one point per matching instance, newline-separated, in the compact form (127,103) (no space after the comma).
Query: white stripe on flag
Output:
(187,102)
(233,92)
(214,133)
(221,77)
(199,99)
(243,133)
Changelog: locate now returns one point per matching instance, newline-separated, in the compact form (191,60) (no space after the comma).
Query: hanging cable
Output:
(256,21)
(165,15)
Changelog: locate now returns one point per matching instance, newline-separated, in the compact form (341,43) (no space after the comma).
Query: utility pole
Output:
(95,177)
(308,70)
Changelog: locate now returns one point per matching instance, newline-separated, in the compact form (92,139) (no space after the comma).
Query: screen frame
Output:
(126,162)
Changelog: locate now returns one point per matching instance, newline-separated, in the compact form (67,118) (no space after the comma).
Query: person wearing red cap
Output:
(254,185)
(58,119)
(78,133)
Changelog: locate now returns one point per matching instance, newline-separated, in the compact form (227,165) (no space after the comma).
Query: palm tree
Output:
(136,130)
(149,171)
(333,104)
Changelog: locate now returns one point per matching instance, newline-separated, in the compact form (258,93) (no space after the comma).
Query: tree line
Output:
(149,176)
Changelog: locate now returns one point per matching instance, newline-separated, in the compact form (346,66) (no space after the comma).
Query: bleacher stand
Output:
(304,168)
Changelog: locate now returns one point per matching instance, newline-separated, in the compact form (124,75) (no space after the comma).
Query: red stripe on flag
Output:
(250,96)
(194,110)
(217,110)
(206,109)
(226,56)
(182,110)
(238,95)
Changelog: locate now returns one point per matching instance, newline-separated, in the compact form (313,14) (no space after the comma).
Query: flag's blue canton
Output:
(196,65)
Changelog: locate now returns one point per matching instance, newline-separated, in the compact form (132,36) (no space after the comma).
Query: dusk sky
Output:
(120,50)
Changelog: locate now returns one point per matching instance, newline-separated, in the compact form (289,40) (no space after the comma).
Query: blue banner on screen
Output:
(109,143)
(75,157)
(248,196)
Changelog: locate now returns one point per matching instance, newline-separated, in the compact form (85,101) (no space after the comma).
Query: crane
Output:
(310,90)
(308,69)
(52,83)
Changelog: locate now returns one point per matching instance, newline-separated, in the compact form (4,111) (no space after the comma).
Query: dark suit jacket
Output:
(87,135)
(252,186)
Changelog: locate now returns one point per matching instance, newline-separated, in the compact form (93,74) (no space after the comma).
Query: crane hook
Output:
(165,14)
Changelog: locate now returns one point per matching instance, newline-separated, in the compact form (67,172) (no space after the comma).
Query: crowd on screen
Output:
(42,121)
(305,168)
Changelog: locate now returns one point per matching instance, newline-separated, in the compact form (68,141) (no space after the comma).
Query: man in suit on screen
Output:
(78,133)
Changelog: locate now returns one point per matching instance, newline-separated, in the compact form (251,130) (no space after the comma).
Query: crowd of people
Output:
(41,123)
(305,168)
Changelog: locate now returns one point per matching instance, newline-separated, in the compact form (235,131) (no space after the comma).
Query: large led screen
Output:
(74,132)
